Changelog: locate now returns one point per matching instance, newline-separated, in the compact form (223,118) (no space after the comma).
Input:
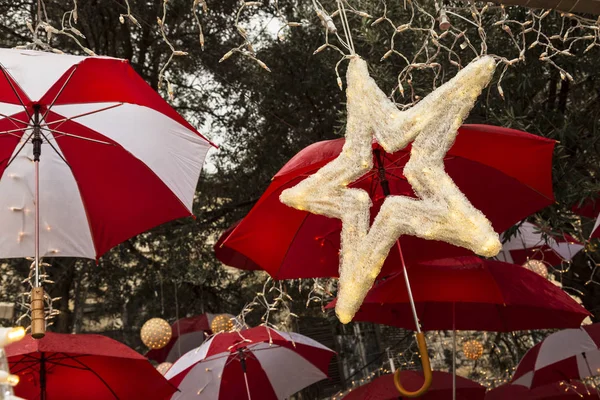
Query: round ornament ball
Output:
(163,367)
(472,349)
(156,333)
(221,323)
(537,266)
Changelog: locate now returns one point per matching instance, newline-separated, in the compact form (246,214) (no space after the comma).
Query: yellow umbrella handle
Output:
(427,374)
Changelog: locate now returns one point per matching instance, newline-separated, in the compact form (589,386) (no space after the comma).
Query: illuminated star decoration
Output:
(441,211)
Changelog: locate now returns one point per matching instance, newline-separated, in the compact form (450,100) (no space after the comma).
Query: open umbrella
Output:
(188,333)
(296,243)
(383,388)
(231,257)
(83,366)
(90,155)
(529,243)
(572,390)
(596,229)
(590,209)
(566,354)
(260,363)
(505,173)
(469,293)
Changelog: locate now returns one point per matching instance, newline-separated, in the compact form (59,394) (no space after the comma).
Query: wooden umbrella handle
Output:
(427,373)
(38,317)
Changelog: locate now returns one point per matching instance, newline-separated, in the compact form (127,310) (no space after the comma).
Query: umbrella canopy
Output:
(469,293)
(567,354)
(116,159)
(188,333)
(558,391)
(503,172)
(596,230)
(83,366)
(259,363)
(383,388)
(590,209)
(529,243)
(231,257)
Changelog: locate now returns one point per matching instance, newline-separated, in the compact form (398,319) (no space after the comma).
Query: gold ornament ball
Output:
(221,323)
(537,266)
(163,367)
(156,333)
(473,349)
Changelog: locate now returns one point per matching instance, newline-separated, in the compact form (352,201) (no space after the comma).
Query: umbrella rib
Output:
(14,130)
(11,132)
(61,121)
(76,136)
(13,119)
(55,149)
(66,365)
(6,75)
(365,176)
(27,358)
(96,374)
(19,151)
(60,92)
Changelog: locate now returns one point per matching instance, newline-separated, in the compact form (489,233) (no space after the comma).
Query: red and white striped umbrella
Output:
(596,230)
(529,243)
(590,209)
(188,333)
(564,355)
(116,159)
(259,363)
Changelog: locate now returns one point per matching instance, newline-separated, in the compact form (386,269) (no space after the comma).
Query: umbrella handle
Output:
(427,374)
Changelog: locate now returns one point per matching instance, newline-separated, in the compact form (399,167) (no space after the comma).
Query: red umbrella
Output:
(503,172)
(231,257)
(558,391)
(383,388)
(470,293)
(76,367)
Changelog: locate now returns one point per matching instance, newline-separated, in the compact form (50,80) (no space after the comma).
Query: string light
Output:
(156,333)
(537,266)
(442,211)
(472,349)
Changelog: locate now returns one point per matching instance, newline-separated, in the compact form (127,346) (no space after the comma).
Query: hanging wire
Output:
(346,26)
(177,320)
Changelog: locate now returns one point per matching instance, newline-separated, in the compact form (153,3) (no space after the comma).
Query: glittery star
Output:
(441,211)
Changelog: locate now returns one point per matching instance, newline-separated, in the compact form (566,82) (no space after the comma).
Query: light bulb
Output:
(10,335)
(8,379)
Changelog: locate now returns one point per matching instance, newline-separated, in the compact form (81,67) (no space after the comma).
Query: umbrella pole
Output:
(243,362)
(590,370)
(42,377)
(422,344)
(427,373)
(453,352)
(38,322)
